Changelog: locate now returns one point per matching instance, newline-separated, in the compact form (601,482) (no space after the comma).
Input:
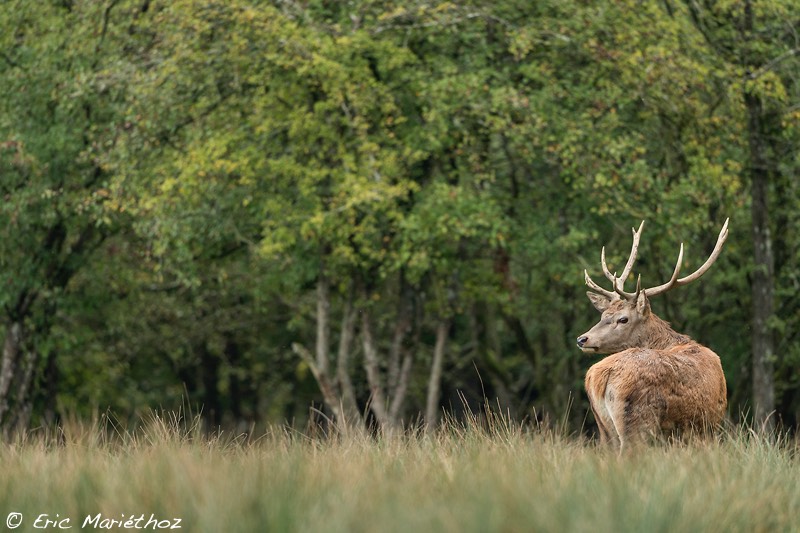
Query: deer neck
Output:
(659,335)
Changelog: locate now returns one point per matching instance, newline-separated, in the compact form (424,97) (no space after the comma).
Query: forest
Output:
(376,214)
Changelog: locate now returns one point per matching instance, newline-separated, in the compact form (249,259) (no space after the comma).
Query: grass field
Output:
(466,478)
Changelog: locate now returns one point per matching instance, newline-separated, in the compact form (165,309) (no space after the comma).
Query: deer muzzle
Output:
(582,340)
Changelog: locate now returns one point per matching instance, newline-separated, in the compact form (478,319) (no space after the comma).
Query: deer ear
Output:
(643,304)
(599,301)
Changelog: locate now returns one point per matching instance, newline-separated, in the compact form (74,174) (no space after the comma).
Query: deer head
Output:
(626,320)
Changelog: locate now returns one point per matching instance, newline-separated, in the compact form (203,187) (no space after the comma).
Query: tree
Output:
(59,105)
(758,42)
(380,209)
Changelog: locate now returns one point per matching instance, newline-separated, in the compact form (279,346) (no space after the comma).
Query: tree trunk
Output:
(400,358)
(401,389)
(323,323)
(232,358)
(402,325)
(351,416)
(377,395)
(23,403)
(763,342)
(8,366)
(434,383)
(209,371)
(51,379)
(408,350)
(319,363)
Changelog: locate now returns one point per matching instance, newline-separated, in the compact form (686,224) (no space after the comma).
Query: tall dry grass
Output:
(485,474)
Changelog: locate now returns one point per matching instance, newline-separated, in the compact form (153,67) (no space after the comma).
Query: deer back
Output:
(648,392)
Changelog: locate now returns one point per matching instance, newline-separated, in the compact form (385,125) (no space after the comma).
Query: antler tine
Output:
(619,291)
(611,277)
(637,234)
(595,287)
(723,235)
(618,282)
(668,285)
(631,296)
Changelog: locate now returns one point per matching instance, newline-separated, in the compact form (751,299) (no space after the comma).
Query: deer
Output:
(656,383)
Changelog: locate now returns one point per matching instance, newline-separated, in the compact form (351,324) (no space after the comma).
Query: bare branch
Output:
(326,386)
(773,63)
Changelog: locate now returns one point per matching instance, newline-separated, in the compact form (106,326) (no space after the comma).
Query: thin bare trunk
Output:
(400,390)
(402,326)
(319,365)
(327,387)
(396,349)
(350,412)
(434,383)
(23,403)
(8,367)
(399,357)
(377,400)
(407,350)
(323,323)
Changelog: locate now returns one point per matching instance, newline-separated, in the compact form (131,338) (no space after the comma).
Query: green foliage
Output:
(177,177)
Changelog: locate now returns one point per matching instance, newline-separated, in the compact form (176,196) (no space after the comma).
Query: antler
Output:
(619,282)
(674,282)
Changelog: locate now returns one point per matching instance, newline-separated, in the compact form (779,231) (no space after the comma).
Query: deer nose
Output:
(582,340)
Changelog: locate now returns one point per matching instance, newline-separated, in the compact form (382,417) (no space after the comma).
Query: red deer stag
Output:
(657,382)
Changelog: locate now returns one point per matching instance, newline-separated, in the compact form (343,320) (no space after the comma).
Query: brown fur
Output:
(656,383)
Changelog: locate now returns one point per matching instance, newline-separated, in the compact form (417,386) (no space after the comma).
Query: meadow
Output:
(467,477)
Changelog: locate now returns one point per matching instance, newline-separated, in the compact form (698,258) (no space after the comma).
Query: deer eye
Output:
(622,320)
